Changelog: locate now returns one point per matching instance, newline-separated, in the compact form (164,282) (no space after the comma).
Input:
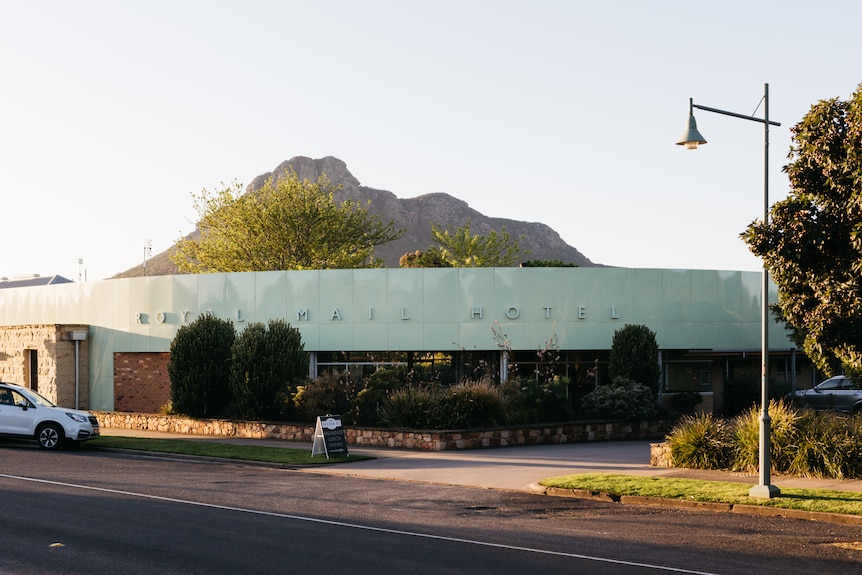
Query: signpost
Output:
(329,436)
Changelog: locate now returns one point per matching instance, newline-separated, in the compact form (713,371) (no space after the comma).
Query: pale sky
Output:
(562,112)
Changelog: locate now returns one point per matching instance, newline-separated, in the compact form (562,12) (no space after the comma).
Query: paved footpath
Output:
(518,468)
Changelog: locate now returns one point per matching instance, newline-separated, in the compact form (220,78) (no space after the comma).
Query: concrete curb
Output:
(760,510)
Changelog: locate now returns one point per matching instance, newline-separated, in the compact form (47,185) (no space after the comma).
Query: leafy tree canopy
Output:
(548,264)
(431,258)
(812,246)
(459,248)
(288,224)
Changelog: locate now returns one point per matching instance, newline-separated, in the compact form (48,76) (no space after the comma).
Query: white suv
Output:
(26,414)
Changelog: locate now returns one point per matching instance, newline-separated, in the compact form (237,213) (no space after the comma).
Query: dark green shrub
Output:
(472,404)
(701,442)
(521,399)
(634,356)
(685,403)
(413,406)
(621,399)
(466,405)
(365,407)
(199,366)
(534,401)
(267,362)
(331,393)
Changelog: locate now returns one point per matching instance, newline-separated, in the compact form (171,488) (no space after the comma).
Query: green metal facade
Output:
(408,309)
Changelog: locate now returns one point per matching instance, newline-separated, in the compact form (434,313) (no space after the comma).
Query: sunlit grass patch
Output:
(819,500)
(266,454)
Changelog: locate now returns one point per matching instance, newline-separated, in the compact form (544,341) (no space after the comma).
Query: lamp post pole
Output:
(691,139)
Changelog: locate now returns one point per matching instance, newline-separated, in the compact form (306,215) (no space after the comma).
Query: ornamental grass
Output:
(802,442)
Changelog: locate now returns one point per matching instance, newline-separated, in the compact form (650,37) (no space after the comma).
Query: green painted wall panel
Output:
(370,297)
(310,334)
(439,336)
(211,295)
(334,336)
(269,295)
(440,295)
(406,336)
(404,296)
(240,302)
(411,309)
(371,336)
(303,294)
(645,289)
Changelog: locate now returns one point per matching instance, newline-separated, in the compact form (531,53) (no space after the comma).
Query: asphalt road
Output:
(89,512)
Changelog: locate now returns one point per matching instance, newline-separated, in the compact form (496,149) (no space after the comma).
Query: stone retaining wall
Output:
(385,437)
(660,455)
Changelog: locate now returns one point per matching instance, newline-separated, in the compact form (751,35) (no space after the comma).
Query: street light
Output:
(691,139)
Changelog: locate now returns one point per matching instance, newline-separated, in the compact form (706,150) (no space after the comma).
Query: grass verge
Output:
(283,455)
(818,500)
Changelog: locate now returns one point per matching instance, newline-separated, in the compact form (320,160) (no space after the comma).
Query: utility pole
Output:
(148,250)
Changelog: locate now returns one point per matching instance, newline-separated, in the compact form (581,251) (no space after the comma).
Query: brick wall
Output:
(141,382)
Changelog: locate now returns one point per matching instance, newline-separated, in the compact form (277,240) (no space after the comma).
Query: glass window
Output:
(688,376)
(834,383)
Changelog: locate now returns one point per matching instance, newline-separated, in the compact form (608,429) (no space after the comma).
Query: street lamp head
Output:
(691,138)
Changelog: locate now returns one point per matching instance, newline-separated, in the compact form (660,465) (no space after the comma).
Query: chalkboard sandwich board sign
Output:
(329,436)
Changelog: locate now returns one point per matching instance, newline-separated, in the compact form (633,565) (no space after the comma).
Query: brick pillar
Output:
(141,382)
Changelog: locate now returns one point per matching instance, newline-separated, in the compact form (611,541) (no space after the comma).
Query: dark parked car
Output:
(839,393)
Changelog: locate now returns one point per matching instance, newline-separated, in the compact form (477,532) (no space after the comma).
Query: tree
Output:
(460,249)
(267,362)
(548,264)
(199,365)
(430,258)
(284,225)
(634,356)
(812,246)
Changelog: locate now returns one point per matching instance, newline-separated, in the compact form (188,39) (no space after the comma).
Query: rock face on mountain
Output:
(414,215)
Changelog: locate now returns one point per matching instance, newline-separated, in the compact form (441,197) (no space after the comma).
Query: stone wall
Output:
(660,454)
(424,440)
(141,382)
(54,373)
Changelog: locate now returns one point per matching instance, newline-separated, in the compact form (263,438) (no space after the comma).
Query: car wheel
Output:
(50,436)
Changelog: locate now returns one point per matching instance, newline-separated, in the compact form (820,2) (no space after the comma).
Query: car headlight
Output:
(77,417)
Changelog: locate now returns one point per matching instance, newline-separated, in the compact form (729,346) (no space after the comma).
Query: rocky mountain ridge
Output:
(414,215)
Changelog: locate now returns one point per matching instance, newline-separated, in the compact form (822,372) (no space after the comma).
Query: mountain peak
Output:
(310,169)
(414,215)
